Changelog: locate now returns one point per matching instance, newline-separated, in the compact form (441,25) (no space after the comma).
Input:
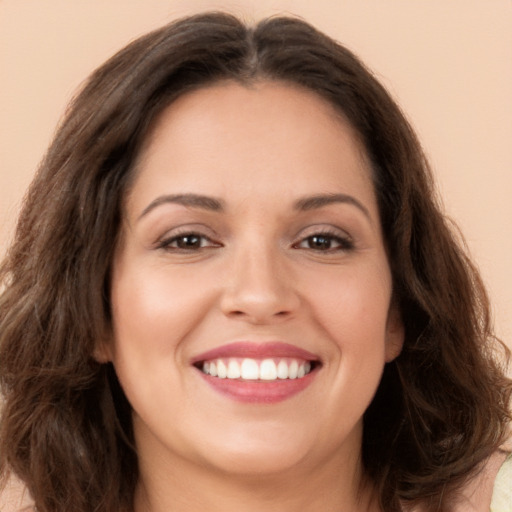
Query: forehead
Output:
(231,135)
(261,100)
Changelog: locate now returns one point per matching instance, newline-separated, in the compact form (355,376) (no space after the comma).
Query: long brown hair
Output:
(442,406)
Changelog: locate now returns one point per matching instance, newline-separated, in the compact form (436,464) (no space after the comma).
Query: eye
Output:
(325,242)
(187,242)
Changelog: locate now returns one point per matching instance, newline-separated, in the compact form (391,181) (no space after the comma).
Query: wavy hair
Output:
(442,406)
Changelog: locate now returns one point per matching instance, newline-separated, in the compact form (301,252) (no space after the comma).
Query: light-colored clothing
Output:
(502,494)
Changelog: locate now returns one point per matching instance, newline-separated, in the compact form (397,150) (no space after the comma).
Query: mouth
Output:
(249,369)
(258,373)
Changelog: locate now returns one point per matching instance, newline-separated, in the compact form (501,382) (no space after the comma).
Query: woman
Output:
(232,287)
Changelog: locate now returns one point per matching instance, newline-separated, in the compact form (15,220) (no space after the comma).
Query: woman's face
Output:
(251,289)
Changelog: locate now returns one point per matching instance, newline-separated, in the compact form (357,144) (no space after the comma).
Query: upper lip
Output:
(256,350)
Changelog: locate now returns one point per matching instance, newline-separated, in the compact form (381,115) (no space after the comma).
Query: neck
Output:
(331,486)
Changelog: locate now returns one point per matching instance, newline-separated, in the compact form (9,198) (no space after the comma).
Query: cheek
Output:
(352,307)
(154,313)
(154,309)
(352,310)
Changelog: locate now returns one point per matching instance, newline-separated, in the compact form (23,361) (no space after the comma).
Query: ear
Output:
(102,352)
(395,334)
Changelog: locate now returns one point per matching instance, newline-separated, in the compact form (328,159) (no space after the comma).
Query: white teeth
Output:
(268,370)
(222,371)
(282,370)
(233,370)
(255,369)
(250,369)
(293,370)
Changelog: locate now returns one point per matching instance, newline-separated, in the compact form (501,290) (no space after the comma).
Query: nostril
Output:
(240,313)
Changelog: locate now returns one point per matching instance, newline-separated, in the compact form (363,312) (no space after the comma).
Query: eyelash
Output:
(166,244)
(343,243)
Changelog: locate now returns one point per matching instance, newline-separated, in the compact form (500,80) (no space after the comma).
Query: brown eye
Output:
(320,242)
(325,242)
(187,242)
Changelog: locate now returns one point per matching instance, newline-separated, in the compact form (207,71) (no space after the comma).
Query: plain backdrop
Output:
(447,62)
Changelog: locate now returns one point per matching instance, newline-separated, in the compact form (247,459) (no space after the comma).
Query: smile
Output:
(264,373)
(254,369)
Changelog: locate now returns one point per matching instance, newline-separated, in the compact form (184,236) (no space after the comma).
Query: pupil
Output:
(189,241)
(320,242)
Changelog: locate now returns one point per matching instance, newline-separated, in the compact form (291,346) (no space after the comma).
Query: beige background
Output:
(448,62)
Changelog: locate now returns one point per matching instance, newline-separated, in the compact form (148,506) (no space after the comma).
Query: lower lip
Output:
(261,392)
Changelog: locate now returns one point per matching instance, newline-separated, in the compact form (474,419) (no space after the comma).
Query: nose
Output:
(260,288)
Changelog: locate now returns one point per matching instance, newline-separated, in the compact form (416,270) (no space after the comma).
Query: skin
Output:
(256,275)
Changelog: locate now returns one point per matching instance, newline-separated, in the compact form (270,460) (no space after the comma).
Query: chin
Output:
(259,464)
(260,452)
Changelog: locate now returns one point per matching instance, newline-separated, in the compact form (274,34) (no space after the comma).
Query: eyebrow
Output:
(190,200)
(321,200)
(217,205)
